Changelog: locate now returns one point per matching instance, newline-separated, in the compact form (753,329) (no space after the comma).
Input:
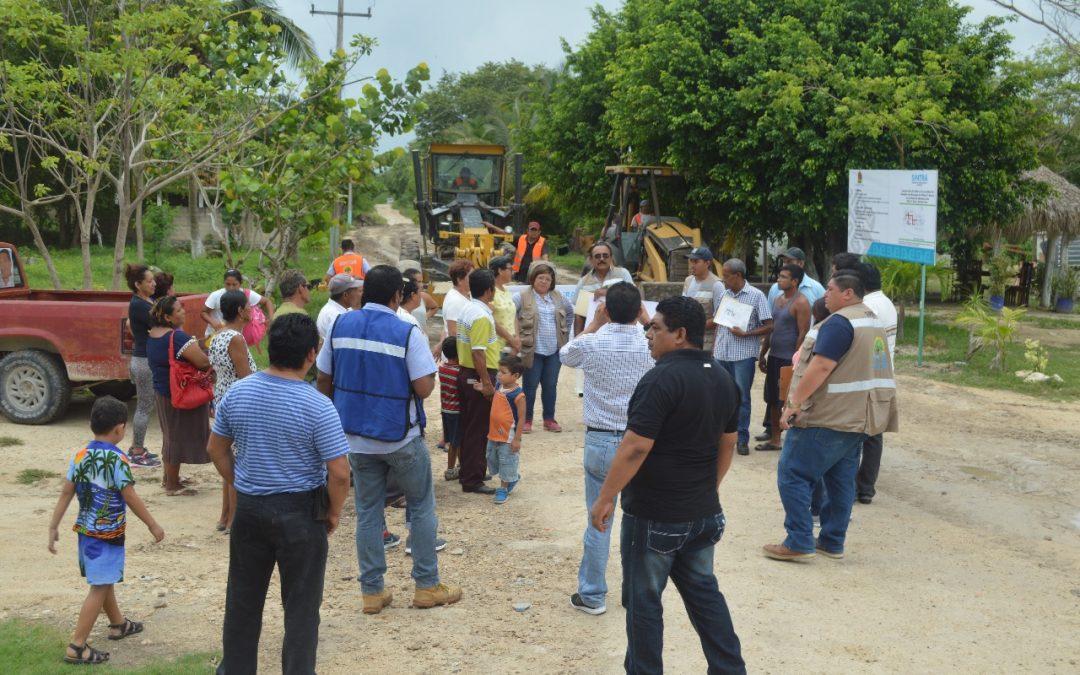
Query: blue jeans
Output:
(410,467)
(600,449)
(543,373)
(811,455)
(653,551)
(743,373)
(502,461)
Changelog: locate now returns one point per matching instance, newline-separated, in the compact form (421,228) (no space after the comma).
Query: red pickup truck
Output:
(52,342)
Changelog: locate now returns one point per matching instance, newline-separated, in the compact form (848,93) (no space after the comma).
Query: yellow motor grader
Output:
(460,199)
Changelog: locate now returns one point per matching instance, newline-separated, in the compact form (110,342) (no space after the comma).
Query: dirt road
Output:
(383,242)
(967,561)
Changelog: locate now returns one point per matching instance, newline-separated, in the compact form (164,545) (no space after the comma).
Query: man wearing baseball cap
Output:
(809,286)
(530,246)
(345,294)
(699,286)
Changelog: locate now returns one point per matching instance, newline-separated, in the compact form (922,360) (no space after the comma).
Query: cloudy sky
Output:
(459,36)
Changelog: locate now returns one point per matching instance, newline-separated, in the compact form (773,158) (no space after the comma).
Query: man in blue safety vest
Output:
(378,369)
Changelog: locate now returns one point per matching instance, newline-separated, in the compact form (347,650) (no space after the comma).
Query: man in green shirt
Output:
(295,293)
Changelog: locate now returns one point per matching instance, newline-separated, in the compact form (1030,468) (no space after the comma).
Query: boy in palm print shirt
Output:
(100,476)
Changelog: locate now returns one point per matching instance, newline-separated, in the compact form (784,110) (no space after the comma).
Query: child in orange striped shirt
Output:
(504,432)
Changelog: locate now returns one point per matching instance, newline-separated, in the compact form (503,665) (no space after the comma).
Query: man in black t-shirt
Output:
(680,435)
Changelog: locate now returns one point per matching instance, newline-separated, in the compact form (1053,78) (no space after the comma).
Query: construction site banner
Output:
(893,214)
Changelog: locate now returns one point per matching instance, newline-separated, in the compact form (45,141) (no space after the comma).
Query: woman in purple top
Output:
(185,433)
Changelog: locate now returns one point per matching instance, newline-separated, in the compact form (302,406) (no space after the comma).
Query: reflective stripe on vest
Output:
(372,389)
(368,346)
(522,245)
(350,263)
(861,385)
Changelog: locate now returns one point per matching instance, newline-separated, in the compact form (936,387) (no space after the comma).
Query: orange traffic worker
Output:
(530,246)
(349,262)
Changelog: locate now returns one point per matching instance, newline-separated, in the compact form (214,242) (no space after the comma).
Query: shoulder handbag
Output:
(256,328)
(189,387)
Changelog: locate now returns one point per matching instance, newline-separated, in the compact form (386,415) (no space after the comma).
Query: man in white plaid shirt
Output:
(613,354)
(736,349)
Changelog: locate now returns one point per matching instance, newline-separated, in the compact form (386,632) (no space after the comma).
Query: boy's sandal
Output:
(92,658)
(128,627)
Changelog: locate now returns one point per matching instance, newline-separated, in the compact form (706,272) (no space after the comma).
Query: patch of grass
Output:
(34,649)
(1051,323)
(9,441)
(947,344)
(572,261)
(192,276)
(31,476)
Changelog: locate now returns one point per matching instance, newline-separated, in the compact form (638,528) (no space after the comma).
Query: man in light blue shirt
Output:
(373,454)
(736,349)
(811,288)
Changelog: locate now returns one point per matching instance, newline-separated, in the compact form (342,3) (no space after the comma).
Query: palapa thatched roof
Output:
(1058,214)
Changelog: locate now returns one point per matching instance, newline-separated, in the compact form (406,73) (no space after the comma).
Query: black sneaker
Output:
(865,499)
(577,603)
(390,540)
(480,489)
(743,448)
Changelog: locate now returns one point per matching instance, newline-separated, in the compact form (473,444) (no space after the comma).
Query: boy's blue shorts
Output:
(100,562)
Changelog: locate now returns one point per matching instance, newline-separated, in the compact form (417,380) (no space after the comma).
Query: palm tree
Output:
(296,43)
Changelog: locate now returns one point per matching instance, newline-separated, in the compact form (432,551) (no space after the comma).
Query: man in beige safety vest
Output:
(841,392)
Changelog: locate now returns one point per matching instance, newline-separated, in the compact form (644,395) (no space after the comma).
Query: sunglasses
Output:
(601,256)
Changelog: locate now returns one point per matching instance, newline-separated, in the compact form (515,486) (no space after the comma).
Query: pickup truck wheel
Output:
(34,388)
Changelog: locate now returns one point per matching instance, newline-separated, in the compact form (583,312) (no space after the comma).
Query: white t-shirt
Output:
(406,315)
(452,305)
(327,316)
(213,303)
(882,306)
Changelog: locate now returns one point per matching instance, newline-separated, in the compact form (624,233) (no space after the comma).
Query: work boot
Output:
(781,552)
(439,594)
(373,604)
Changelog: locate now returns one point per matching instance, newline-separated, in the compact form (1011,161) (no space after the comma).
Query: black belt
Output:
(605,431)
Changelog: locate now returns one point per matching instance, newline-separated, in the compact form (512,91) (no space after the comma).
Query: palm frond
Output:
(293,40)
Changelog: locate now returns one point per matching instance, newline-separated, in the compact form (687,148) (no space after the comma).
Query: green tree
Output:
(288,178)
(290,38)
(570,143)
(764,107)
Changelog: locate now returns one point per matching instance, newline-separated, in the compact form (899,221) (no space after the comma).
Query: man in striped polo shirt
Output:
(291,478)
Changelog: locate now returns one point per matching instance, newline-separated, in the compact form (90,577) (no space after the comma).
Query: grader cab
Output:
(460,196)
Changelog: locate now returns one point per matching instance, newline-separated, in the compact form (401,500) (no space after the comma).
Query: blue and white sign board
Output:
(893,214)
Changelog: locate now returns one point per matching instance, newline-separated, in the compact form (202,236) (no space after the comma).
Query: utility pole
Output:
(335,231)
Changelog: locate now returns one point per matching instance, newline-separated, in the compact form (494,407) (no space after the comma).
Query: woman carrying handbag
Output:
(184,390)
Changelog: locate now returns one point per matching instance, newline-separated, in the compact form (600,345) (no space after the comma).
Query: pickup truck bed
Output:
(54,341)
